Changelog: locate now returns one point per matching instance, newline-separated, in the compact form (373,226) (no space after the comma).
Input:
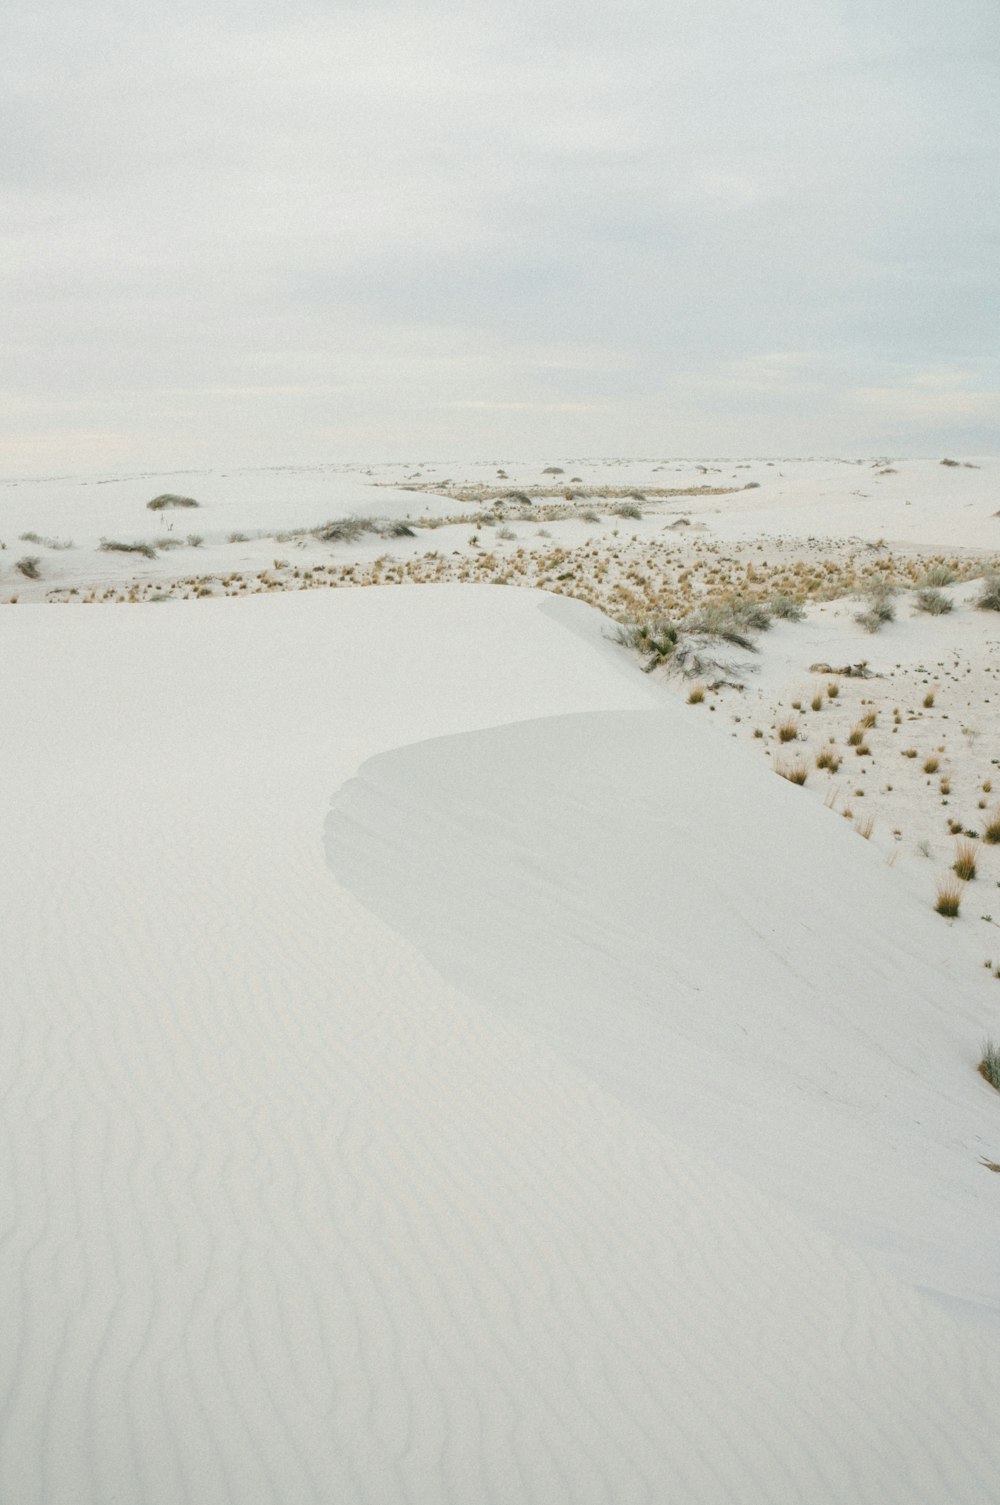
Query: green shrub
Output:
(933,601)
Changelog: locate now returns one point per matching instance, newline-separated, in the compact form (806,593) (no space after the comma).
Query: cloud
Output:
(379,214)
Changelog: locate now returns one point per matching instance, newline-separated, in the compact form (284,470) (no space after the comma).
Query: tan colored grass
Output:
(964,866)
(949,898)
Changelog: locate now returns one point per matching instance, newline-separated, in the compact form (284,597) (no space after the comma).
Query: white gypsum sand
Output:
(442,1065)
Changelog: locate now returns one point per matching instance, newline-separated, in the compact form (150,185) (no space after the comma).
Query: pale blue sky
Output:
(275,233)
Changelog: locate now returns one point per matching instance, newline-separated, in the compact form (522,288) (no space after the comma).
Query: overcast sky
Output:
(271,233)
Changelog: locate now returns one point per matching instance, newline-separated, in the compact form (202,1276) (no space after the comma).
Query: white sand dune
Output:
(299,1203)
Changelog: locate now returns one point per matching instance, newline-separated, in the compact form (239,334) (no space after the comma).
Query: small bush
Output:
(788,729)
(816,704)
(989,1066)
(880,608)
(949,898)
(991,829)
(627,509)
(787,608)
(937,574)
(170,499)
(590,516)
(932,765)
(964,866)
(195,540)
(828,759)
(403,530)
(115,546)
(28,567)
(856,735)
(343,530)
(934,602)
(732,620)
(989,597)
(928,700)
(47,543)
(833,689)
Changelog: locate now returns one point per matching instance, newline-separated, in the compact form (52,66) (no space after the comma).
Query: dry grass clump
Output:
(696,695)
(28,567)
(989,1066)
(928,700)
(833,689)
(865,825)
(168,499)
(964,866)
(795,773)
(991,828)
(788,729)
(949,898)
(934,602)
(828,759)
(932,764)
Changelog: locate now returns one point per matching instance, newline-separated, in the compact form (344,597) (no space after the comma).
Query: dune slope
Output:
(288,1215)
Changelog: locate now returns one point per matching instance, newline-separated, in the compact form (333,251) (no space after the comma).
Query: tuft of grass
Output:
(856,735)
(795,773)
(964,866)
(788,729)
(168,499)
(989,597)
(627,509)
(928,700)
(949,898)
(991,828)
(696,695)
(932,764)
(865,826)
(195,540)
(934,602)
(28,567)
(833,689)
(816,704)
(828,759)
(657,639)
(989,1066)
